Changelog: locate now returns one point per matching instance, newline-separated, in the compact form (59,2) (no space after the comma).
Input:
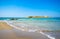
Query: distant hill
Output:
(37,16)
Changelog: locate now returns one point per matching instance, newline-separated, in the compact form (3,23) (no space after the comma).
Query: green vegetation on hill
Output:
(37,16)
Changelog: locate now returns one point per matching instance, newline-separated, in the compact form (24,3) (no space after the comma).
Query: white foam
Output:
(13,25)
(47,35)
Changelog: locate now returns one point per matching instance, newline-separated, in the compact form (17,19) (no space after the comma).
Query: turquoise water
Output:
(40,23)
(44,23)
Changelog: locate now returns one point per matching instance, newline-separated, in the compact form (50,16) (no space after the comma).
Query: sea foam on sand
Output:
(29,30)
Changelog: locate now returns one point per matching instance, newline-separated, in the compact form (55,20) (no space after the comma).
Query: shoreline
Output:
(41,32)
(13,34)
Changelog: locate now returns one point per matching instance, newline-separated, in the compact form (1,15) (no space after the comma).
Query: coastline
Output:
(26,30)
(30,30)
(12,33)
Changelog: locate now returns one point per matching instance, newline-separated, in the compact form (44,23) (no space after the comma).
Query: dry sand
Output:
(8,32)
(4,26)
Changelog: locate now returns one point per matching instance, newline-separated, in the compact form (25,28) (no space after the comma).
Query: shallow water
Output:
(41,23)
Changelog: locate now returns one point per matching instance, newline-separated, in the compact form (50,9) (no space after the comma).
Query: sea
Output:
(51,24)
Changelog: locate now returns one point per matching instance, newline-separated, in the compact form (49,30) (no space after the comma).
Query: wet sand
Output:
(8,32)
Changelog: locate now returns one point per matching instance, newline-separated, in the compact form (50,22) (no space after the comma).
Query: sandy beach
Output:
(8,32)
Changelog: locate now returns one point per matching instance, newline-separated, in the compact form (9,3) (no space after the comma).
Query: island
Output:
(38,16)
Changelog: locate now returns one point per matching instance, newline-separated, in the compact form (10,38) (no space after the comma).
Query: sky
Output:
(23,8)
